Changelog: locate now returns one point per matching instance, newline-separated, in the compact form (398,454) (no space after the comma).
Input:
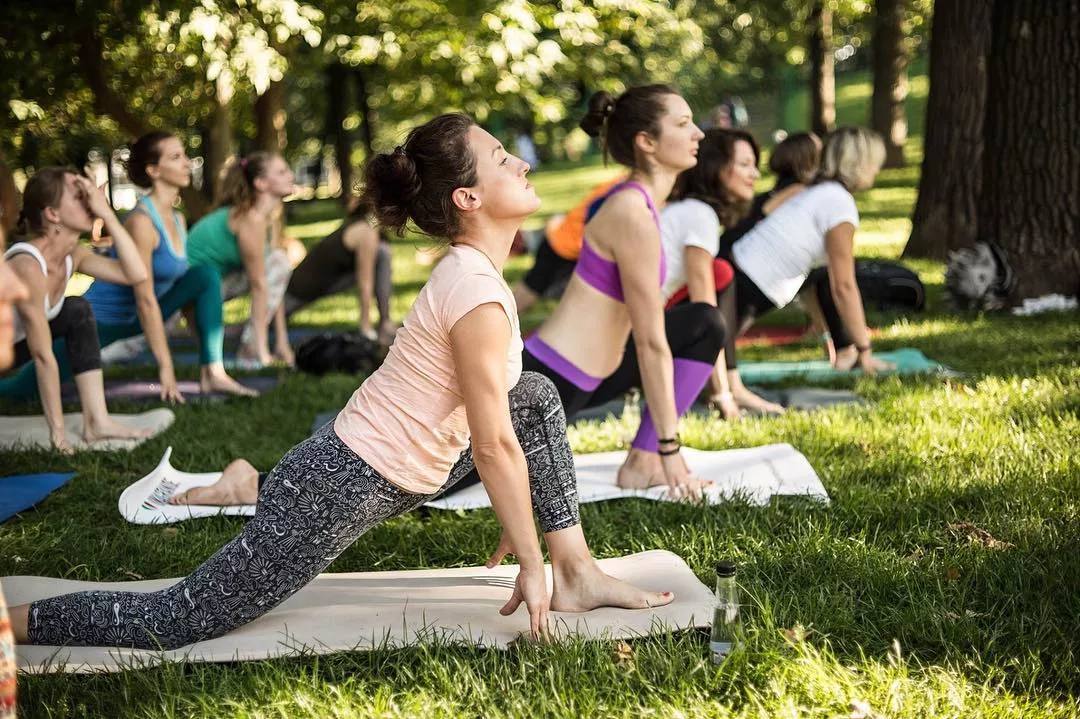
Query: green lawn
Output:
(874,601)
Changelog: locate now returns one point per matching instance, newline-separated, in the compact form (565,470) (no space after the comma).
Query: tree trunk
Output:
(336,109)
(890,50)
(221,140)
(92,66)
(363,102)
(946,212)
(270,117)
(1029,204)
(9,200)
(822,78)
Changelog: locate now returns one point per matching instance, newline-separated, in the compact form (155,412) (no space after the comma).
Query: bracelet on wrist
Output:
(673,440)
(668,452)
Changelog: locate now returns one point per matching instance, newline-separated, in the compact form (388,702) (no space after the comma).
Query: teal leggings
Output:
(199,286)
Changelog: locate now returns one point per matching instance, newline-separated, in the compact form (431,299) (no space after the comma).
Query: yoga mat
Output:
(359,611)
(804,398)
(908,361)
(141,391)
(33,432)
(23,491)
(755,474)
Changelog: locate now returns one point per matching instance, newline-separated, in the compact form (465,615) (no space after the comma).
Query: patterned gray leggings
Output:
(316,502)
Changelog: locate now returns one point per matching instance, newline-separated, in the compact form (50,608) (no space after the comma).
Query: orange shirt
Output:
(565,239)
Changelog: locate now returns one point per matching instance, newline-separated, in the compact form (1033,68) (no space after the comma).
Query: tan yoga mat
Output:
(366,610)
(32,431)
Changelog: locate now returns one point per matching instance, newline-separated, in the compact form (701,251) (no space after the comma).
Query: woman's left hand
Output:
(170,390)
(94,197)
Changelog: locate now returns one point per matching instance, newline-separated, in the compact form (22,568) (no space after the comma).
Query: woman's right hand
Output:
(170,389)
(870,364)
(681,483)
(96,201)
(531,587)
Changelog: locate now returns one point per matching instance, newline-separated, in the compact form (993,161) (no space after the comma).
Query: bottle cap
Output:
(725,569)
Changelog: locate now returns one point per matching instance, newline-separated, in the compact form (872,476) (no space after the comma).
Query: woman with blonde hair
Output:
(239,240)
(814,228)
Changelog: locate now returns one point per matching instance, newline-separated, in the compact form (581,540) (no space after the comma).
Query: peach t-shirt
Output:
(407,420)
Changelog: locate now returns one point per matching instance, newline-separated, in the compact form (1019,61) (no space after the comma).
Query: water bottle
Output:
(726,622)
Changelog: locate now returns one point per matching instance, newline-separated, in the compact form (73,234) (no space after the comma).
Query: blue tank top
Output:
(115,304)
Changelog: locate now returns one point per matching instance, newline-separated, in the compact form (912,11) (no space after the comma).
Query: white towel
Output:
(32,431)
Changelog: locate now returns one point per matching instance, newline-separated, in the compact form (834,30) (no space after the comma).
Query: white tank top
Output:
(26,248)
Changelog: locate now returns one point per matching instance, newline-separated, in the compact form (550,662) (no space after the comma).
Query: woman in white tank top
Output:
(58,207)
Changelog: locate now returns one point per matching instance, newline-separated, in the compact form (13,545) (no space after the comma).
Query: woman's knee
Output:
(538,393)
(204,278)
(79,313)
(708,321)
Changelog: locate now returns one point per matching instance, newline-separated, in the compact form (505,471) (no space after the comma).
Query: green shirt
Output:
(211,242)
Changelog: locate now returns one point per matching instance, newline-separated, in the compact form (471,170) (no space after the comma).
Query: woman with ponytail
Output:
(450,397)
(238,241)
(158,162)
(59,206)
(615,294)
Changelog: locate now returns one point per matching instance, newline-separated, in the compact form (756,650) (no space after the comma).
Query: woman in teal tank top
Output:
(158,162)
(237,242)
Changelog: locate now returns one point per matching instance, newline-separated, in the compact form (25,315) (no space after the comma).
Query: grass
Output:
(876,605)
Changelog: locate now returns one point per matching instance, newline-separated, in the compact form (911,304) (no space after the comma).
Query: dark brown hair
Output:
(716,152)
(617,121)
(145,151)
(44,189)
(237,186)
(415,181)
(796,158)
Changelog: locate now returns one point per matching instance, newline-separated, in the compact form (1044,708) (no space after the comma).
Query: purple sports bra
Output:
(602,274)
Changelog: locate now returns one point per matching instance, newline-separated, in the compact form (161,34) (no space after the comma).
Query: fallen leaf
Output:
(861,710)
(624,654)
(796,634)
(976,535)
(952,573)
(170,531)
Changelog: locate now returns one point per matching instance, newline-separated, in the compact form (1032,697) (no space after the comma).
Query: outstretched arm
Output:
(480,340)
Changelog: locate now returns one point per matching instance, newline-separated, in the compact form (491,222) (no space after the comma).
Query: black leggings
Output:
(77,327)
(550,272)
(343,282)
(695,332)
(742,302)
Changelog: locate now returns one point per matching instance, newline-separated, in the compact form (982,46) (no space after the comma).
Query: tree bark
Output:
(946,212)
(337,91)
(92,66)
(363,102)
(270,119)
(822,77)
(890,55)
(9,199)
(1030,201)
(221,140)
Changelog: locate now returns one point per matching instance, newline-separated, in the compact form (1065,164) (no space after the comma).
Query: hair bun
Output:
(392,182)
(601,105)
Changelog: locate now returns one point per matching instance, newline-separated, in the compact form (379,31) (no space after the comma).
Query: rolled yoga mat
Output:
(23,491)
(141,391)
(32,431)
(907,361)
(367,610)
(755,475)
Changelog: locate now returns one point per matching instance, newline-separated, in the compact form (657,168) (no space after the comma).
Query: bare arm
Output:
(840,247)
(637,253)
(39,341)
(146,237)
(251,234)
(128,268)
(700,280)
(363,240)
(479,342)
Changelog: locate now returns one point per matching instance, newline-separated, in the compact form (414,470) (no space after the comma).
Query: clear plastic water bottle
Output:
(726,626)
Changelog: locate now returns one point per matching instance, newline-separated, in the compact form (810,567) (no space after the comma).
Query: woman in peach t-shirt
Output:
(450,396)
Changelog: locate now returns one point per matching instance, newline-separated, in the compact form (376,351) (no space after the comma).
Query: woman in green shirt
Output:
(238,240)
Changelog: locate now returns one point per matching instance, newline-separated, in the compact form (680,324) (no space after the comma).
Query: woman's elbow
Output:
(494,451)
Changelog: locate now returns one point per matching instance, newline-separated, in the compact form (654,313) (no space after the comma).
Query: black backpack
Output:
(889,286)
(348,352)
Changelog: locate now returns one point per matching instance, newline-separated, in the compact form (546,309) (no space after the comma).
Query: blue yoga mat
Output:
(907,361)
(23,491)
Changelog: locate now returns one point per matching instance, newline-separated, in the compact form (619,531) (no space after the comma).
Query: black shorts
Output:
(549,273)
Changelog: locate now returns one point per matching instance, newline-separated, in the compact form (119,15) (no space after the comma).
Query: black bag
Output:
(889,286)
(348,352)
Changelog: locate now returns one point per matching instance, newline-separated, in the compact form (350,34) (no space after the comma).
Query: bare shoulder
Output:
(624,217)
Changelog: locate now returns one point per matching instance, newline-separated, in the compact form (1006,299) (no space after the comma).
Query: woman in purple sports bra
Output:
(615,292)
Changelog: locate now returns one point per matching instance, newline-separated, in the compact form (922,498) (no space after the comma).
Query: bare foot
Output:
(585,587)
(223,383)
(642,470)
(239,484)
(108,428)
